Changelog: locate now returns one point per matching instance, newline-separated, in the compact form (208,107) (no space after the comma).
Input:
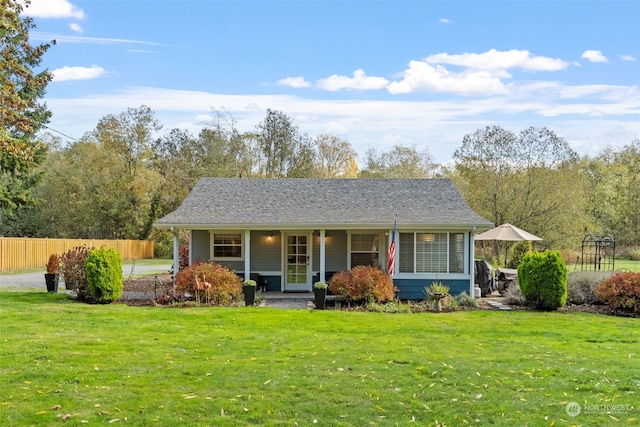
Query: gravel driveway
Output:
(35,280)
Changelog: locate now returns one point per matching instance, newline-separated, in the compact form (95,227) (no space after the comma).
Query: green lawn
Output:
(97,364)
(619,264)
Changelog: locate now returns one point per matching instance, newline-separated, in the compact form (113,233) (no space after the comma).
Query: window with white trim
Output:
(365,250)
(431,253)
(227,246)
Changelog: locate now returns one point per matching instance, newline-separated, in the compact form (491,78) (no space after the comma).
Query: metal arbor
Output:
(598,252)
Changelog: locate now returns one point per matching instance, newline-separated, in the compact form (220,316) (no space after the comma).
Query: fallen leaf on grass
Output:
(56,407)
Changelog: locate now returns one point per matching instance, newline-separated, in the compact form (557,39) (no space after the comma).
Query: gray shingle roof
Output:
(322,203)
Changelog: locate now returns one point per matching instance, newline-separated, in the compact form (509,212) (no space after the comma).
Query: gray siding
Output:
(200,250)
(265,253)
(414,288)
(335,251)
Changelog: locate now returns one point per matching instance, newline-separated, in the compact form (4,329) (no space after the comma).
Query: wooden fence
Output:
(18,253)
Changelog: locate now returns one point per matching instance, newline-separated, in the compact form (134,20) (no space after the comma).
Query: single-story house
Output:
(294,232)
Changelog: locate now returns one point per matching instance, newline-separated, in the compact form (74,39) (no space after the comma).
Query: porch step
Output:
(499,305)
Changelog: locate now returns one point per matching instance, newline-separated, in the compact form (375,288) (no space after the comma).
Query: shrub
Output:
(434,296)
(53,265)
(104,275)
(621,291)
(395,306)
(467,301)
(543,279)
(73,272)
(434,289)
(581,286)
(513,296)
(363,283)
(162,243)
(634,254)
(217,284)
(518,253)
(183,251)
(320,285)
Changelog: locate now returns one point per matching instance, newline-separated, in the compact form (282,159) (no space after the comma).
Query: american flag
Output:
(391,255)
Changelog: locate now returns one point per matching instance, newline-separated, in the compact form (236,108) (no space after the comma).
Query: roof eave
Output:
(309,226)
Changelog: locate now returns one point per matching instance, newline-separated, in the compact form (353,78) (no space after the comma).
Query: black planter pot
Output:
(52,282)
(320,297)
(249,295)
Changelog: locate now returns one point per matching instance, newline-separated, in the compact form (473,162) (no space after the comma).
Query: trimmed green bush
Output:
(621,291)
(104,275)
(542,277)
(363,283)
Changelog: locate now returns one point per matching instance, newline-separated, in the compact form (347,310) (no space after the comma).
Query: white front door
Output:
(297,275)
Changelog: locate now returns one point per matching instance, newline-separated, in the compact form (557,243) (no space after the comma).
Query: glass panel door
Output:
(298,263)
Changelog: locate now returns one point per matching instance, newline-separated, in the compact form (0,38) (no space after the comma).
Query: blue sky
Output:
(375,73)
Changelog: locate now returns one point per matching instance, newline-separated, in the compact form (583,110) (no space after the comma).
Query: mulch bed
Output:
(149,285)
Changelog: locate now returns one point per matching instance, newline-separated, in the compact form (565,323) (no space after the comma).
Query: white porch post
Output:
(176,252)
(472,264)
(247,254)
(322,255)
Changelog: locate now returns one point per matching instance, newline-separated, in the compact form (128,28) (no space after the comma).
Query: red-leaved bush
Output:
(210,283)
(363,283)
(621,291)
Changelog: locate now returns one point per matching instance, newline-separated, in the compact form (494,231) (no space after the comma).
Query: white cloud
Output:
(594,56)
(482,73)
(445,21)
(359,81)
(77,73)
(47,37)
(421,76)
(627,58)
(438,125)
(75,27)
(295,82)
(499,60)
(53,9)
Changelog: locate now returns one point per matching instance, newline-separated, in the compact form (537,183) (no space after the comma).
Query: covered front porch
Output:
(288,260)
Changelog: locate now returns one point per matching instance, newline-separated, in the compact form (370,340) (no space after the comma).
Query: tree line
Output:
(120,177)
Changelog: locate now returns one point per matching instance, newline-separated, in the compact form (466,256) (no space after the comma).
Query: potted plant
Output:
(249,291)
(52,276)
(320,294)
